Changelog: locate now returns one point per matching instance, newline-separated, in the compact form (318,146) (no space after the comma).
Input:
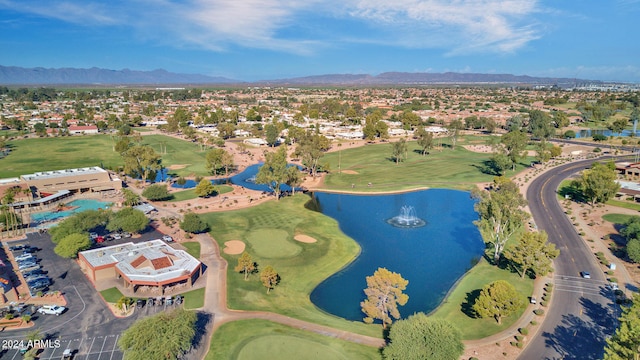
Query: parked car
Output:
(168,300)
(67,354)
(93,235)
(34,272)
(27,265)
(33,278)
(167,238)
(32,268)
(25,256)
(39,284)
(140,303)
(52,310)
(178,299)
(151,301)
(116,236)
(586,275)
(17,247)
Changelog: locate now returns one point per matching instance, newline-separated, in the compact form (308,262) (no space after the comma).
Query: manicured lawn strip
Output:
(617,218)
(193,248)
(111,295)
(301,273)
(445,168)
(44,154)
(194,299)
(483,273)
(191,193)
(624,204)
(231,338)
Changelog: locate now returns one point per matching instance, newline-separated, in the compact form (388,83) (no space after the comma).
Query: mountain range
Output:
(12,75)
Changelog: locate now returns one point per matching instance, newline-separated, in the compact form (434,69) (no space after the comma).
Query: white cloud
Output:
(456,26)
(462,26)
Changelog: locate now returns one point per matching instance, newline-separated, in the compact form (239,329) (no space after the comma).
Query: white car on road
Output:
(167,238)
(52,310)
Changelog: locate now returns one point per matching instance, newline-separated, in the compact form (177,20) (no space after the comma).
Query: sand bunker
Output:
(350,172)
(233,247)
(305,238)
(177,166)
(479,148)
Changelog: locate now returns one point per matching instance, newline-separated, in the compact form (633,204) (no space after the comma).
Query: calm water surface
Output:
(432,257)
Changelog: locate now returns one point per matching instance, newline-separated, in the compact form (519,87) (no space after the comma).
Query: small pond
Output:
(433,255)
(245,179)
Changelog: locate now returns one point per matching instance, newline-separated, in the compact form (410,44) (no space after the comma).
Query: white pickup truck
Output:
(52,310)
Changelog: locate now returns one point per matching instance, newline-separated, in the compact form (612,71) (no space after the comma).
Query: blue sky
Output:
(270,39)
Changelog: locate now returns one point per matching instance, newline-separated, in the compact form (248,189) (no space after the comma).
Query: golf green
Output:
(287,347)
(272,243)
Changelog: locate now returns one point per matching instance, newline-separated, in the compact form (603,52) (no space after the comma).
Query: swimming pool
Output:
(76,207)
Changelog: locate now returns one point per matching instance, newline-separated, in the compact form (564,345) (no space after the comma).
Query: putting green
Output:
(278,347)
(272,243)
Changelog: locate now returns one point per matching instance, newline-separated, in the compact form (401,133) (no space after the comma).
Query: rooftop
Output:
(62,173)
(153,261)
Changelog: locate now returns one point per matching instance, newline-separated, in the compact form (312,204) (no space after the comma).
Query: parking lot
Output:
(103,347)
(87,325)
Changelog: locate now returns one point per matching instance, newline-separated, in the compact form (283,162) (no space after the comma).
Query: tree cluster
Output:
(625,343)
(598,184)
(167,335)
(247,266)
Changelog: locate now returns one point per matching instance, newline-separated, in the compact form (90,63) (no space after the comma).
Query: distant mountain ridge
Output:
(13,75)
(404,78)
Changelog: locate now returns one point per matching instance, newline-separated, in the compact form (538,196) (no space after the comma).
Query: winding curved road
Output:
(583,312)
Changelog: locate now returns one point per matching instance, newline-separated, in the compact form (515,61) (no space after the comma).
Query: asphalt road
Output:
(583,312)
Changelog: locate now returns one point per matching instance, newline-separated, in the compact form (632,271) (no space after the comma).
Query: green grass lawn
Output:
(194,299)
(193,248)
(617,218)
(44,154)
(301,266)
(111,295)
(624,204)
(457,168)
(262,339)
(191,193)
(456,307)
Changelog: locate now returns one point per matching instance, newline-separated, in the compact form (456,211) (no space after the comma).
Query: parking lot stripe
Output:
(115,346)
(102,348)
(91,346)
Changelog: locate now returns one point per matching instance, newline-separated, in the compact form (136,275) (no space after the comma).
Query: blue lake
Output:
(590,133)
(432,257)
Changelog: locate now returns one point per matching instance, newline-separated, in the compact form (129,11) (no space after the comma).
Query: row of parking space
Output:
(30,268)
(103,347)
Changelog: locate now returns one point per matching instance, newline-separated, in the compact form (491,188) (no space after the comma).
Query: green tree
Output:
(399,150)
(294,178)
(273,172)
(140,161)
(269,277)
(130,198)
(271,132)
(631,229)
(167,335)
(311,148)
(156,192)
(501,214)
(218,160)
(129,220)
(205,188)
(425,139)
(633,250)
(420,337)
(454,128)
(532,252)
(497,300)
(384,293)
(598,184)
(540,124)
(124,303)
(246,265)
(40,129)
(193,223)
(625,343)
(543,152)
(617,125)
(79,223)
(514,143)
(72,244)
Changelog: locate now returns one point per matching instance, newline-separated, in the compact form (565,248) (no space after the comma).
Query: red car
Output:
(100,239)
